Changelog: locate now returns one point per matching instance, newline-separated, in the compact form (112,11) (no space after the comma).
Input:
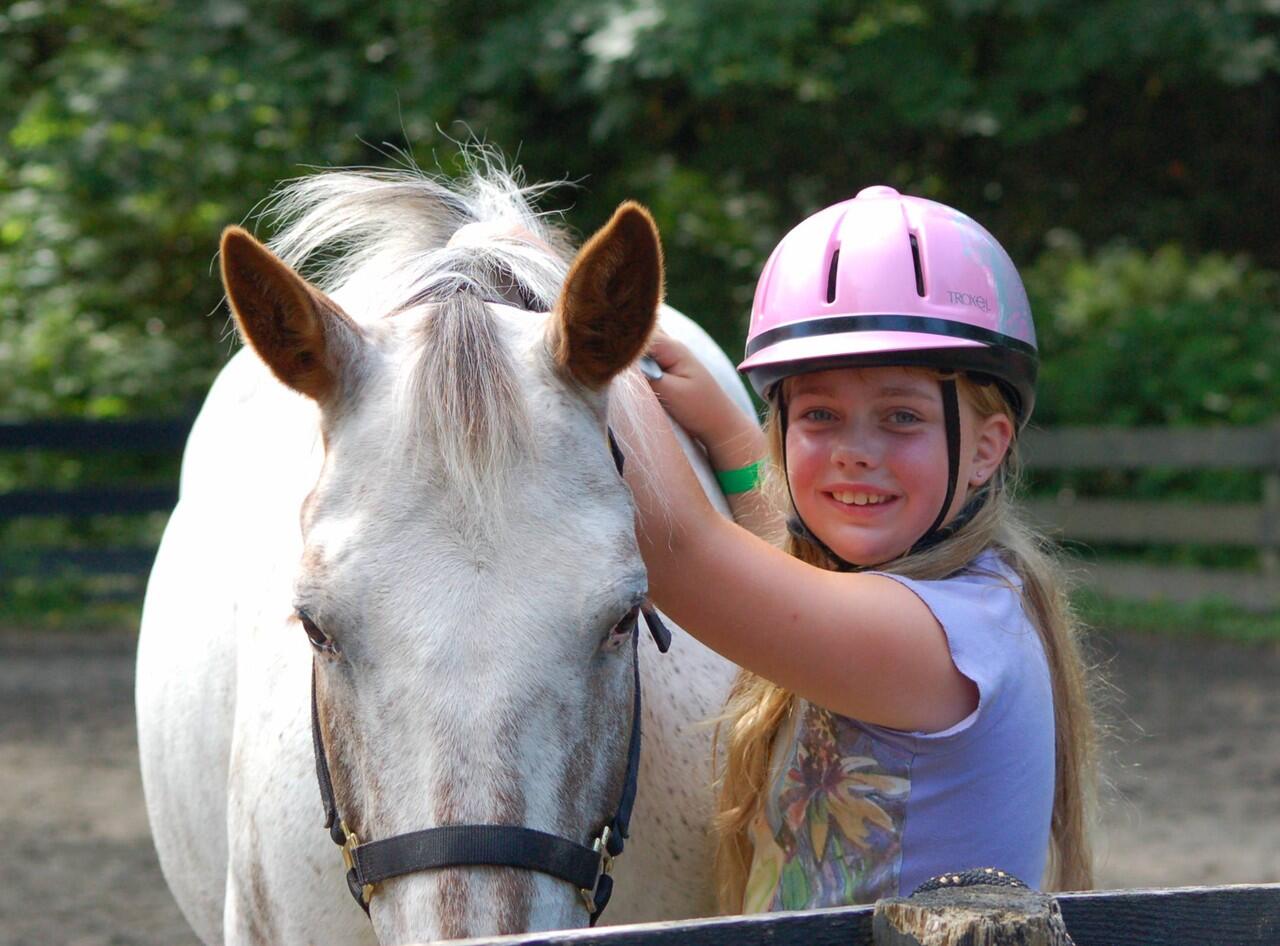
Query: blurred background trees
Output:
(1123,151)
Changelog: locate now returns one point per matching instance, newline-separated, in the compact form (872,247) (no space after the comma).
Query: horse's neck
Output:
(668,871)
(253,455)
(253,441)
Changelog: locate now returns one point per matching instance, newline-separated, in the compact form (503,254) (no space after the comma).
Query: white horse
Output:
(405,480)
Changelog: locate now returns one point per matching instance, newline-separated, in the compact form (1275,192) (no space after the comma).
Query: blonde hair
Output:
(756,708)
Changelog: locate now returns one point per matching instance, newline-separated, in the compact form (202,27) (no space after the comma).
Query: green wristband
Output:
(740,480)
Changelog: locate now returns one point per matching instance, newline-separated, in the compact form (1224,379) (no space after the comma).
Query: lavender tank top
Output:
(856,812)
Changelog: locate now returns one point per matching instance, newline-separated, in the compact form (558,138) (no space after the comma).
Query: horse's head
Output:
(470,575)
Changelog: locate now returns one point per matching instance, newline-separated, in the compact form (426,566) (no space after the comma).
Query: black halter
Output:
(494,845)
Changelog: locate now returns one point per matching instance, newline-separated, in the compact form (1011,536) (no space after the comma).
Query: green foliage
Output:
(132,131)
(68,602)
(1211,617)
(1135,338)
(1156,339)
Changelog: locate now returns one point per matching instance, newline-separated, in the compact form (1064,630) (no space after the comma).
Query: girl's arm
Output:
(860,645)
(733,440)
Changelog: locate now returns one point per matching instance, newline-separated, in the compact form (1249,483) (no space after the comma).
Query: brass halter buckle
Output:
(601,847)
(351,841)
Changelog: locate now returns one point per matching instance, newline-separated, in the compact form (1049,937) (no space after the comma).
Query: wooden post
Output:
(970,914)
(1271,512)
(1270,553)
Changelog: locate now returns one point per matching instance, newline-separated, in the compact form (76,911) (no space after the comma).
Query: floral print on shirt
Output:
(831,830)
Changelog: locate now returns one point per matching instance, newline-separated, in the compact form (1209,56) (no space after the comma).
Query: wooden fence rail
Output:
(1086,520)
(1188,916)
(1179,448)
(160,436)
(1121,521)
(146,435)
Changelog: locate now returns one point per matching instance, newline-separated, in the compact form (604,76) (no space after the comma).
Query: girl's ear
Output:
(609,303)
(994,434)
(301,334)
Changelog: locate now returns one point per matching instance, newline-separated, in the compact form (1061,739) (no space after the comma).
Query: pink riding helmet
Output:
(884,279)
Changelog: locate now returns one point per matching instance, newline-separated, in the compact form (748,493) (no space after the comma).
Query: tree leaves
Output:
(131,131)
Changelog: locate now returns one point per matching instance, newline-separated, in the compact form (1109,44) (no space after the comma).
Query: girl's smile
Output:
(859,499)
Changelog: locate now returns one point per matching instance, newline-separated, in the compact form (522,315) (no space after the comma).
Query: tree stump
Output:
(976,908)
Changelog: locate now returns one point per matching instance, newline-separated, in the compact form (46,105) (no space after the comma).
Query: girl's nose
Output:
(851,451)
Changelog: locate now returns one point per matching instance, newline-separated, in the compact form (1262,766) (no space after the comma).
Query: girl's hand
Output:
(731,438)
(689,394)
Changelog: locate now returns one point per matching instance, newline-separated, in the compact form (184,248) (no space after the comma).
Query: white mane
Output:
(432,252)
(389,230)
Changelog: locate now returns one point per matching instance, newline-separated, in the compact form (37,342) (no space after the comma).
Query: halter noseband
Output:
(494,845)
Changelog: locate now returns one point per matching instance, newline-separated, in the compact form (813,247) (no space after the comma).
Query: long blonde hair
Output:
(756,708)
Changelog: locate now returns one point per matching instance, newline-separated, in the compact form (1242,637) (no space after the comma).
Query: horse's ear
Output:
(610,299)
(301,334)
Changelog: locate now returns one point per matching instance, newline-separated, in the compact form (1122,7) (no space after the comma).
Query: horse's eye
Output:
(319,639)
(623,630)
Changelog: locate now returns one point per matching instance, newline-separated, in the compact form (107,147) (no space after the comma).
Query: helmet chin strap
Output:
(935,533)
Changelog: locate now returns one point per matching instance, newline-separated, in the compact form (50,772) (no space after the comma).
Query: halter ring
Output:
(350,843)
(601,847)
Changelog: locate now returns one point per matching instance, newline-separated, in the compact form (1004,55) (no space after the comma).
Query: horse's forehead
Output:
(563,501)
(562,417)
(399,335)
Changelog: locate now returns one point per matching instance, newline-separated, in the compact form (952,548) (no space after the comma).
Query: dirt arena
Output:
(1194,762)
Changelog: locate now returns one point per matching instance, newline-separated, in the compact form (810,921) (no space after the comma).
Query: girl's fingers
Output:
(665,350)
(650,368)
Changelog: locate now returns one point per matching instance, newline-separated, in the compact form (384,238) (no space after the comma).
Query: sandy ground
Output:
(1194,762)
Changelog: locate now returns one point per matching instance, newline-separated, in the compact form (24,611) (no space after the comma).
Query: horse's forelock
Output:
(461,399)
(390,231)
(380,242)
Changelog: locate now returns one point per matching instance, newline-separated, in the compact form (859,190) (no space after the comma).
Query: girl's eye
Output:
(819,414)
(622,631)
(318,638)
(904,417)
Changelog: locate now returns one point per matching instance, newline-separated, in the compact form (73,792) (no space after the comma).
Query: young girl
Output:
(912,700)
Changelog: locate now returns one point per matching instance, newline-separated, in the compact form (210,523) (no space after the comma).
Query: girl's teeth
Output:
(858,499)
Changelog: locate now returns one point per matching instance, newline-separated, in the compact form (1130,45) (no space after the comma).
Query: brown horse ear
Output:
(301,334)
(610,299)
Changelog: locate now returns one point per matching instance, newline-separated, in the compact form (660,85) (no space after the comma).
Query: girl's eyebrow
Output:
(893,391)
(821,389)
(812,387)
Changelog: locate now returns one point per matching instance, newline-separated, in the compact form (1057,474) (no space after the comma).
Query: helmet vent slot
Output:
(831,276)
(915,258)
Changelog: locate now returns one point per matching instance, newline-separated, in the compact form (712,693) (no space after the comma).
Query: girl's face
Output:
(867,457)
